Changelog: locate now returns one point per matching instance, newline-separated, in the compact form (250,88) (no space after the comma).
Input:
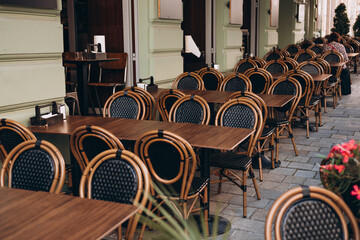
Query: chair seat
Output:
(197,185)
(267,131)
(272,122)
(313,102)
(230,160)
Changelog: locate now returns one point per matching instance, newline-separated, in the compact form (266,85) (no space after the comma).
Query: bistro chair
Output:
(354,44)
(240,113)
(267,135)
(320,40)
(273,55)
(148,100)
(293,49)
(276,66)
(280,118)
(104,81)
(304,55)
(236,82)
(244,65)
(308,104)
(317,49)
(125,104)
(12,134)
(306,44)
(285,53)
(310,212)
(259,61)
(88,141)
(348,48)
(290,62)
(166,100)
(34,165)
(120,176)
(260,79)
(212,78)
(171,162)
(190,109)
(188,80)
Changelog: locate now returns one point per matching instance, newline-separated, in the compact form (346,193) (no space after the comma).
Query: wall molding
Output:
(29,11)
(28,105)
(29,57)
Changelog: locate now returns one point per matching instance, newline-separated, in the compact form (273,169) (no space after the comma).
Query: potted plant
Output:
(340,173)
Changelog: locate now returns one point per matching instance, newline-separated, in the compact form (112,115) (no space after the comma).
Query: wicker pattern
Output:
(188,82)
(303,57)
(310,69)
(332,58)
(93,145)
(232,117)
(211,81)
(292,50)
(273,56)
(124,107)
(244,66)
(189,112)
(258,83)
(116,181)
(9,139)
(275,68)
(230,160)
(285,88)
(235,84)
(33,170)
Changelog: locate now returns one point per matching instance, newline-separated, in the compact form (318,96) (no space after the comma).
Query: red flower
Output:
(356,192)
(340,168)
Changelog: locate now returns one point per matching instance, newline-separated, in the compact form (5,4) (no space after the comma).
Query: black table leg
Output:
(82,88)
(223,225)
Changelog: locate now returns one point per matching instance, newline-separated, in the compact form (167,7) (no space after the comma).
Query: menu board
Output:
(47,4)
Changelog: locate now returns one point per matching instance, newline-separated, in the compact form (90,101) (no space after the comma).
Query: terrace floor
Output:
(339,125)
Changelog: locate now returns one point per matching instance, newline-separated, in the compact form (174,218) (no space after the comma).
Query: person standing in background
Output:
(335,45)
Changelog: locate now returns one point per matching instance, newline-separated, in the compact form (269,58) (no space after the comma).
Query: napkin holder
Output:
(46,119)
(151,86)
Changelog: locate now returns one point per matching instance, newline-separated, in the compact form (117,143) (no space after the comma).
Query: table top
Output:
(337,64)
(89,60)
(320,77)
(221,96)
(41,215)
(203,136)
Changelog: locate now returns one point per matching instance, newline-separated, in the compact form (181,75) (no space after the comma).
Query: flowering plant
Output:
(340,171)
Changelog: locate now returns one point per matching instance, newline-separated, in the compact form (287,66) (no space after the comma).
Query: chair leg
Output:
(317,117)
(98,99)
(339,90)
(260,163)
(292,139)
(220,180)
(119,233)
(252,175)
(307,123)
(325,109)
(244,177)
(271,146)
(277,135)
(206,209)
(334,99)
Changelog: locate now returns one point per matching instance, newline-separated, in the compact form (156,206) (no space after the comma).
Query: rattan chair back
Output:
(190,109)
(34,165)
(320,40)
(188,80)
(276,66)
(305,55)
(311,67)
(290,63)
(354,44)
(148,100)
(273,55)
(87,141)
(166,100)
(317,48)
(259,61)
(12,134)
(211,77)
(125,104)
(306,82)
(332,56)
(324,64)
(242,113)
(244,65)
(348,48)
(306,44)
(120,176)
(260,79)
(236,82)
(293,49)
(310,212)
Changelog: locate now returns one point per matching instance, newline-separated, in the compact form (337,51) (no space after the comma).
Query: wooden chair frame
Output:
(143,176)
(11,125)
(290,61)
(305,51)
(292,46)
(148,100)
(187,74)
(134,95)
(320,40)
(185,174)
(286,200)
(198,99)
(230,175)
(208,70)
(161,101)
(259,61)
(280,62)
(319,46)
(236,75)
(81,133)
(265,74)
(59,163)
(245,61)
(285,127)
(309,42)
(277,52)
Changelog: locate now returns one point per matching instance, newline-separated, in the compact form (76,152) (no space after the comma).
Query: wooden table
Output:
(337,64)
(206,137)
(320,77)
(221,96)
(41,215)
(82,77)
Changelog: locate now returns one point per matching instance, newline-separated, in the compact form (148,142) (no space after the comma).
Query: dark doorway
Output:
(194,25)
(246,27)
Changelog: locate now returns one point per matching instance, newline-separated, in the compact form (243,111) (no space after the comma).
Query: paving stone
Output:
(248,225)
(284,171)
(237,210)
(246,235)
(260,214)
(270,193)
(304,174)
(311,148)
(251,201)
(295,180)
(274,186)
(313,182)
(305,166)
(217,207)
(299,158)
(223,197)
(338,136)
(271,176)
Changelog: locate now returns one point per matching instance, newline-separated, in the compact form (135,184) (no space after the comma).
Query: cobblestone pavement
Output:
(339,125)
